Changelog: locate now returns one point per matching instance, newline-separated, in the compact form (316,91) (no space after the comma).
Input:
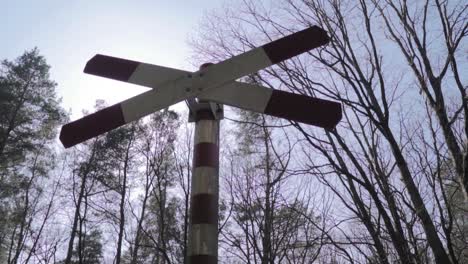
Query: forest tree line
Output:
(388,185)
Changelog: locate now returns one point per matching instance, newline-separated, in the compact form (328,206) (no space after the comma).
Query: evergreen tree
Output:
(29,115)
(99,167)
(90,249)
(29,108)
(158,237)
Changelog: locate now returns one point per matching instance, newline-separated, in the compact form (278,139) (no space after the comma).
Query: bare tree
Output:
(83,171)
(381,180)
(265,225)
(183,163)
(155,224)
(437,73)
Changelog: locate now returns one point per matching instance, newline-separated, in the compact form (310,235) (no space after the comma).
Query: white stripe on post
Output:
(205,246)
(206,180)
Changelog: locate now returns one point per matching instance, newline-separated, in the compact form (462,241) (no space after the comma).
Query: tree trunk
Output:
(433,239)
(122,203)
(77,208)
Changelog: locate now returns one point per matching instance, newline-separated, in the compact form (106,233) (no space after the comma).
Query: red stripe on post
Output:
(204,114)
(304,109)
(205,154)
(111,67)
(295,44)
(204,209)
(91,125)
(203,259)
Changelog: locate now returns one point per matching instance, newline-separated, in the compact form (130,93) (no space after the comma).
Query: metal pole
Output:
(203,229)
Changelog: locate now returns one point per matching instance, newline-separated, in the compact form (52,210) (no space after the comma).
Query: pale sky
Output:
(69,33)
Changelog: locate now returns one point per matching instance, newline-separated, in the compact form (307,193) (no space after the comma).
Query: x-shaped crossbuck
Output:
(215,83)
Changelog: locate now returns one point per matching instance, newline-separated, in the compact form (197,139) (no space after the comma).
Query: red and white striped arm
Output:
(126,111)
(295,107)
(262,57)
(134,72)
(150,75)
(171,91)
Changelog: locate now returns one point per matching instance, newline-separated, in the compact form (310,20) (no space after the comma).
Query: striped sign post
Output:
(203,230)
(213,85)
(204,215)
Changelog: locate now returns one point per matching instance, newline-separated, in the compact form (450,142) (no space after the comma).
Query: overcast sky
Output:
(69,33)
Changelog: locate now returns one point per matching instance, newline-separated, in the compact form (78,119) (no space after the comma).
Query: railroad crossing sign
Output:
(205,91)
(215,83)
